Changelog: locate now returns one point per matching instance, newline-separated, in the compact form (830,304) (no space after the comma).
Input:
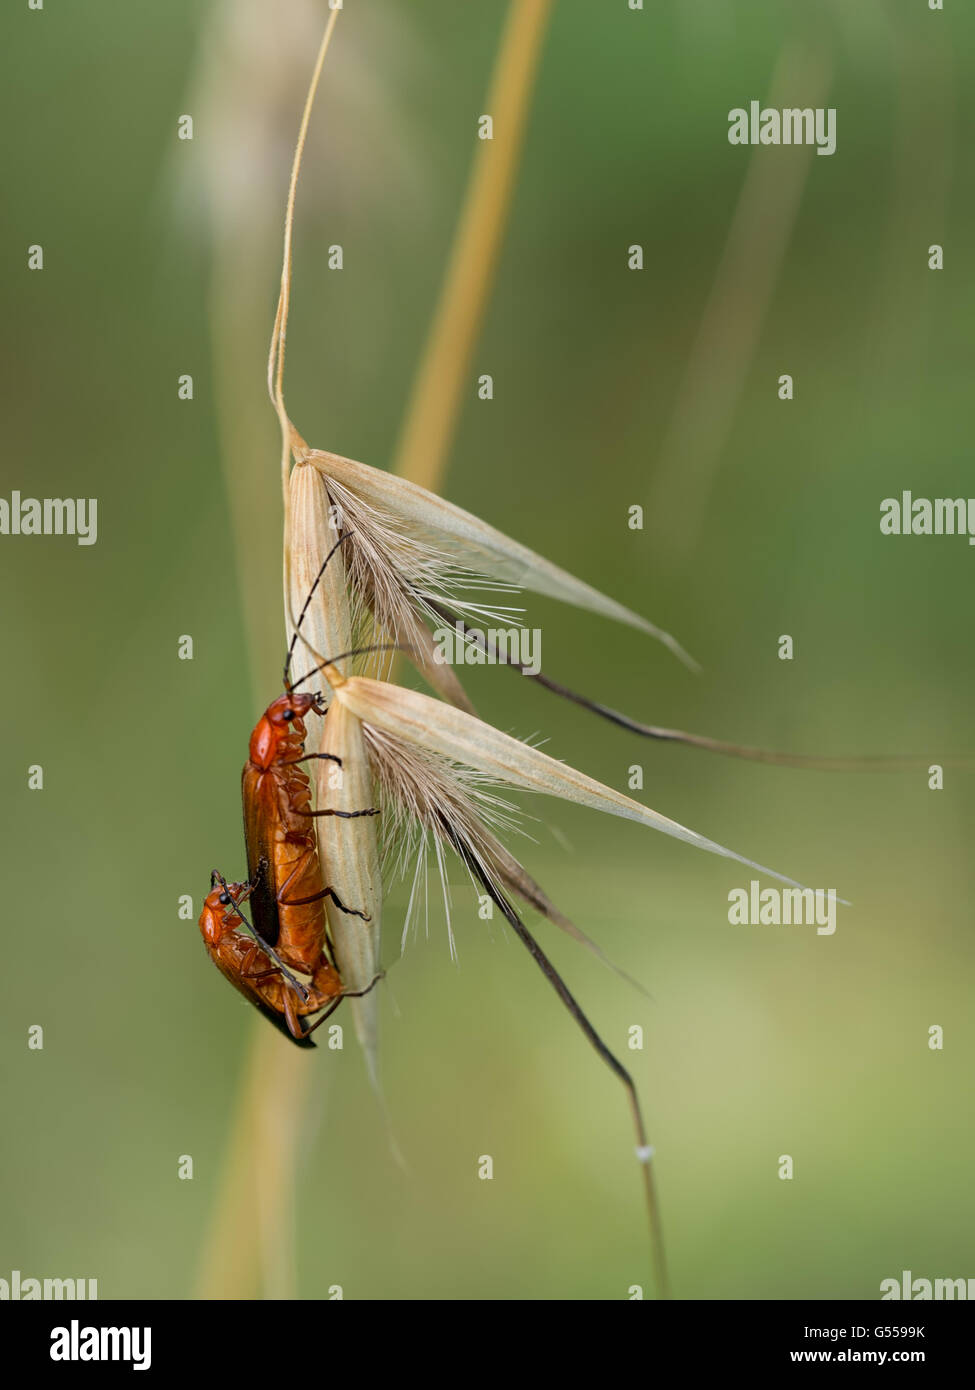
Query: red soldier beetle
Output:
(287,889)
(257,972)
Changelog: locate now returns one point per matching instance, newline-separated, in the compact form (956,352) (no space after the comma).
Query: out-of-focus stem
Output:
(249,1251)
(728,336)
(431,416)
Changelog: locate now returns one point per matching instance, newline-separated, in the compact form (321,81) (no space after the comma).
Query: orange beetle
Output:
(287,889)
(256,973)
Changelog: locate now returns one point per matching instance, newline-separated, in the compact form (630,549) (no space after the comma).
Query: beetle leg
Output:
(346,994)
(330,757)
(322,1017)
(251,959)
(259,974)
(291,1016)
(325,893)
(315,897)
(296,872)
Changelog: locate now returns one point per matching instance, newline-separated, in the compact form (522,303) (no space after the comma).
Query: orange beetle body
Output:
(286,891)
(287,897)
(250,970)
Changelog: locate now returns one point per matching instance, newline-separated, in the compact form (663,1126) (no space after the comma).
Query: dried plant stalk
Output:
(350,853)
(348,848)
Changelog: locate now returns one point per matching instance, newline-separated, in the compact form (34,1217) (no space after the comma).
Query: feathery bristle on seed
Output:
(435,804)
(397,573)
(475,548)
(430,803)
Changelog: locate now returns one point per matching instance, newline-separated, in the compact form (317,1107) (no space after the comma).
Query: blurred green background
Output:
(162,258)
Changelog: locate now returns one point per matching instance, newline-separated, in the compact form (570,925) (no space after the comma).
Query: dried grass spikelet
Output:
(411,550)
(413,780)
(398,722)
(437,768)
(350,851)
(422,787)
(413,557)
(431,803)
(379,563)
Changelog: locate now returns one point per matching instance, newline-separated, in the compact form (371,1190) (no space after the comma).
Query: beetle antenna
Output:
(311,593)
(356,651)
